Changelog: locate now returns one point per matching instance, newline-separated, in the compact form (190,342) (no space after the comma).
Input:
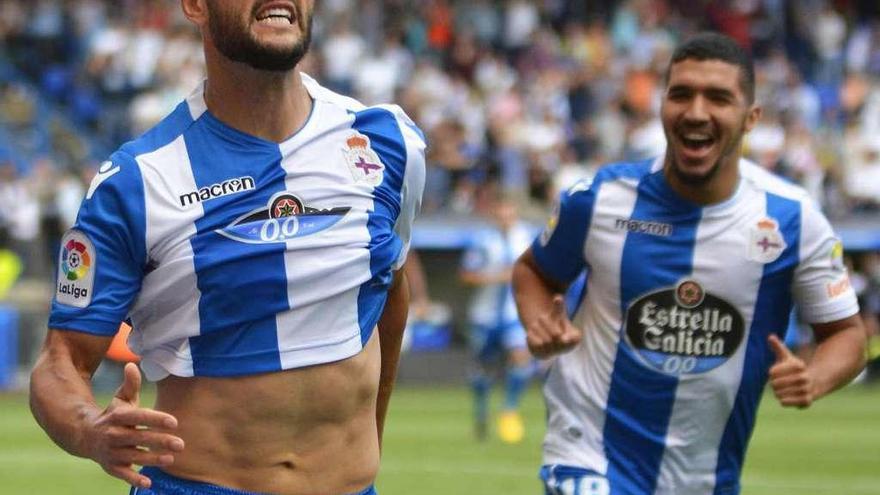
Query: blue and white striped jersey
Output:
(661,394)
(234,255)
(492,251)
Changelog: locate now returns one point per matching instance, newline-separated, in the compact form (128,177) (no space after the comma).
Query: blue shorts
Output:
(165,484)
(492,342)
(570,480)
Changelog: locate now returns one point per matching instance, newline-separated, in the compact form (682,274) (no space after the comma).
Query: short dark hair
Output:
(715,46)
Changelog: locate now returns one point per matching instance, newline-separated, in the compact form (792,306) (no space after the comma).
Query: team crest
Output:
(76,270)
(766,242)
(689,294)
(363,162)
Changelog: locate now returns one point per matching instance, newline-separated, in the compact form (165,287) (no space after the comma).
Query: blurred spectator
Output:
(863,170)
(531,94)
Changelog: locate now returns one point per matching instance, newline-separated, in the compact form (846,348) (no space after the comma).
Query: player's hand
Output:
(125,434)
(790,377)
(552,332)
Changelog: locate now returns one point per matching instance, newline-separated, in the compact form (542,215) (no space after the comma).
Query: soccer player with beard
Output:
(254,238)
(695,260)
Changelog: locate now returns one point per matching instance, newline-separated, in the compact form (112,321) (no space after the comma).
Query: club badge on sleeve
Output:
(76,270)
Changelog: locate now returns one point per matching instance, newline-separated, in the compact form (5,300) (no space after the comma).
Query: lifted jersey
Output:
(235,255)
(661,394)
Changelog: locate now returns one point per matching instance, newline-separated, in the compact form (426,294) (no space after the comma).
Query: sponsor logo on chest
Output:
(683,329)
(218,190)
(643,227)
(285,217)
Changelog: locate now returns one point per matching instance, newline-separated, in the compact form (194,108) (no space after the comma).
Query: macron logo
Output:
(644,227)
(105,171)
(220,189)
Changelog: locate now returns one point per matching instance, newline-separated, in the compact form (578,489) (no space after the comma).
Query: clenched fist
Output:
(552,332)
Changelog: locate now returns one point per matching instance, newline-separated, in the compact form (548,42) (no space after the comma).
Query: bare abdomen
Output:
(302,431)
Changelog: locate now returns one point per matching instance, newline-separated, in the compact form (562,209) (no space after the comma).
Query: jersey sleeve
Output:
(413,182)
(102,257)
(559,249)
(822,288)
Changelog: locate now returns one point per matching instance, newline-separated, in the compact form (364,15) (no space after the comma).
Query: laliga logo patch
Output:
(76,273)
(836,255)
(683,329)
(766,242)
(550,227)
(363,162)
(284,218)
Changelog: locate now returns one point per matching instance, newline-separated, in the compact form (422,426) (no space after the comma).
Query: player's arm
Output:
(391,325)
(101,265)
(839,356)
(541,307)
(116,437)
(826,299)
(393,319)
(543,273)
(479,278)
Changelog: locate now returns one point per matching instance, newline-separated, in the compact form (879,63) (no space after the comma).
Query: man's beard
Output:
(696,180)
(699,180)
(238,45)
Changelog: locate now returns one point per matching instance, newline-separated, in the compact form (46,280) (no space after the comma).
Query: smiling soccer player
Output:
(255,239)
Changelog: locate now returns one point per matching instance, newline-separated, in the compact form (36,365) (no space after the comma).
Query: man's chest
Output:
(323,195)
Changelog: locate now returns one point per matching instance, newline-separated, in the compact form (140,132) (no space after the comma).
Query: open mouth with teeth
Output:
(276,16)
(697,141)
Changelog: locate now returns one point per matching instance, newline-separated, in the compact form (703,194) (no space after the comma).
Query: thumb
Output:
(130,389)
(558,308)
(782,353)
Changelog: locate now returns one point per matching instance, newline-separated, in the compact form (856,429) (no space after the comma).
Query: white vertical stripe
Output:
(317,174)
(577,387)
(703,401)
(169,226)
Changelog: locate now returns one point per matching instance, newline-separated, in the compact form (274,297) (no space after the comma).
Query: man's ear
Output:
(753,116)
(196,11)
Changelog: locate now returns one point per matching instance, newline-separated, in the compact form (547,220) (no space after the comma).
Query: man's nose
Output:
(697,110)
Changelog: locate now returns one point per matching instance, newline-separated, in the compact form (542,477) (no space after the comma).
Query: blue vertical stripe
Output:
(115,219)
(640,400)
(561,255)
(576,293)
(236,324)
(772,312)
(386,140)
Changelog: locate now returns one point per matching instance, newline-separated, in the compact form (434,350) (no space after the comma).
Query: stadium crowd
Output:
(531,95)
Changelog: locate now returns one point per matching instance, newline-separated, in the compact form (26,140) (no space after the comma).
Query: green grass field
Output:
(832,448)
